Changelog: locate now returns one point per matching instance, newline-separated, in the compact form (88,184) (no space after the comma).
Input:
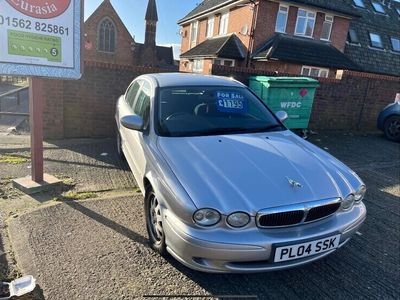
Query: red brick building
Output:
(307,37)
(106,39)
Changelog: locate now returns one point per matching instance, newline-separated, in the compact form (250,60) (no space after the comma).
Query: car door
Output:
(136,140)
(125,108)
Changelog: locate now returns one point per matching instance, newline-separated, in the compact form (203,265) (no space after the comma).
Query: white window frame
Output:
(307,18)
(223,60)
(193,43)
(223,23)
(210,27)
(320,70)
(198,66)
(286,13)
(329,19)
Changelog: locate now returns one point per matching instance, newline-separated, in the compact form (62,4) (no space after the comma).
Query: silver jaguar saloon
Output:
(227,187)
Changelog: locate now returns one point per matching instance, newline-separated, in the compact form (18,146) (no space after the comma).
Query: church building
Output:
(106,39)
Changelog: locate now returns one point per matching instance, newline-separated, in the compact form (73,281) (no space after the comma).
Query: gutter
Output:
(231,2)
(252,29)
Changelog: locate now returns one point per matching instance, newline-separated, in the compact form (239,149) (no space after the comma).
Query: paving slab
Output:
(92,163)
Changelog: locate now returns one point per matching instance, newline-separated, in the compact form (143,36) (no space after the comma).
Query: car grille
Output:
(281,219)
(321,212)
(297,214)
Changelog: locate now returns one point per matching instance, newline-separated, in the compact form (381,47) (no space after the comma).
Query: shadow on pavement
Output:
(109,223)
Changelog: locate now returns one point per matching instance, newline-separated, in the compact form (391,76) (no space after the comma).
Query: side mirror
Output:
(282,115)
(133,122)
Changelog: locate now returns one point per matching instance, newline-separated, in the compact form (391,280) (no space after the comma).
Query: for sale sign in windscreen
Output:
(40,38)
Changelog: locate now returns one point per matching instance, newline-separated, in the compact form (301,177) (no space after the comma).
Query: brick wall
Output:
(351,103)
(85,107)
(266,20)
(339,32)
(238,18)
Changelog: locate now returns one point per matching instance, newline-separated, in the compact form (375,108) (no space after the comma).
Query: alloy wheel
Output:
(394,128)
(155,218)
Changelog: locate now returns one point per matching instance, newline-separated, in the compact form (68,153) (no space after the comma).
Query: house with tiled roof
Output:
(374,38)
(106,39)
(307,37)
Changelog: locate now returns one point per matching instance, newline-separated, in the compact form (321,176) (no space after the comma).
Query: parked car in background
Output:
(389,120)
(227,187)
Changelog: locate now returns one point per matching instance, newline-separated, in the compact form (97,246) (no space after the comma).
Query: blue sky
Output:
(132,14)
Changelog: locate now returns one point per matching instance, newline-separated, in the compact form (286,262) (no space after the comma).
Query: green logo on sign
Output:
(34,45)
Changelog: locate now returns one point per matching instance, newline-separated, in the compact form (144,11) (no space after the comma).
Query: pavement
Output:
(97,248)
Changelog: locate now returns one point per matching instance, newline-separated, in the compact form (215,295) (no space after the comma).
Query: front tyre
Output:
(154,222)
(392,128)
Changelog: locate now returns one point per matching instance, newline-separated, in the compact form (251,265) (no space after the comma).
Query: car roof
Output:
(189,79)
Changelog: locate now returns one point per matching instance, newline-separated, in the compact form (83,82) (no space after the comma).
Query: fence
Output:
(17,94)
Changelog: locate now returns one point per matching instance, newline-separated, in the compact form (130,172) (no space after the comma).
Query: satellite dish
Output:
(182,33)
(244,30)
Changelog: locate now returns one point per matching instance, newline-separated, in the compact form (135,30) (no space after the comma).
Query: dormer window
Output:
(376,40)
(305,23)
(359,3)
(352,37)
(106,36)
(395,44)
(378,7)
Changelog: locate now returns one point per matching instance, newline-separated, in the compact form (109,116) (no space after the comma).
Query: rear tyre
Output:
(119,146)
(154,222)
(392,128)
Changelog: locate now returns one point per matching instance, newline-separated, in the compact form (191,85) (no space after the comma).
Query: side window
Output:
(132,92)
(142,104)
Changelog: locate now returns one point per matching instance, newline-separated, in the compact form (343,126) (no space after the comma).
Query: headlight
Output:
(206,217)
(359,195)
(348,202)
(238,219)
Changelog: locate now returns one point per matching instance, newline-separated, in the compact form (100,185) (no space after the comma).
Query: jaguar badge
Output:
(293,183)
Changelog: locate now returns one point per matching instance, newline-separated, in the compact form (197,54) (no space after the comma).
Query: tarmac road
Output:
(97,249)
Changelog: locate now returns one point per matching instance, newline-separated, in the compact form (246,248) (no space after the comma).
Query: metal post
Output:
(36,122)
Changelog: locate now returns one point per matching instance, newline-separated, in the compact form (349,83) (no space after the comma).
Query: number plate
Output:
(297,251)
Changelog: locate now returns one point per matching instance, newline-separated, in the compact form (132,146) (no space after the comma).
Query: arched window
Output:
(106,36)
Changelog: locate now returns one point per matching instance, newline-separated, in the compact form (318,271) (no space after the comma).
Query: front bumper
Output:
(224,250)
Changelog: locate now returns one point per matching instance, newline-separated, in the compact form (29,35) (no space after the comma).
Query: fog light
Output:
(206,217)
(238,219)
(348,202)
(360,194)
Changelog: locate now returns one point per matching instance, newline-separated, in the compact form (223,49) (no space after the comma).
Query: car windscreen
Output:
(211,110)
